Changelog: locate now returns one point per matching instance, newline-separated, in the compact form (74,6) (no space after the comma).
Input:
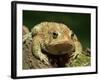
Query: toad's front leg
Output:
(36,50)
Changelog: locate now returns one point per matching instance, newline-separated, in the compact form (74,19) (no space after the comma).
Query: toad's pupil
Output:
(55,35)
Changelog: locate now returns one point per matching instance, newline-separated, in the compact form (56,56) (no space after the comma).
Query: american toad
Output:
(55,39)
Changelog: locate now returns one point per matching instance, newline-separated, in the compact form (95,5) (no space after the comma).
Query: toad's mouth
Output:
(50,53)
(58,49)
(69,52)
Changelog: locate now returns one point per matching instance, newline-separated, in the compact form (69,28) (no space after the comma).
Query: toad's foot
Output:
(44,59)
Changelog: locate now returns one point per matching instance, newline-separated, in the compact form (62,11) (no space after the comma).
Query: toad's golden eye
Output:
(55,35)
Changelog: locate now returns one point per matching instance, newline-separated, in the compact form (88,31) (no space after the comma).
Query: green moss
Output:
(80,60)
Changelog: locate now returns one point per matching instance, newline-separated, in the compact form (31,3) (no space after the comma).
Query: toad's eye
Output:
(55,35)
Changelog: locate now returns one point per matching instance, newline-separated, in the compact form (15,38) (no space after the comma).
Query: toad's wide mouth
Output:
(59,49)
(50,53)
(69,52)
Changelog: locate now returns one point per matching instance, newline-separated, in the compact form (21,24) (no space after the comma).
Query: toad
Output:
(55,39)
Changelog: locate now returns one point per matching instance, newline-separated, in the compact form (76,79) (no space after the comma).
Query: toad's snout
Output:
(62,47)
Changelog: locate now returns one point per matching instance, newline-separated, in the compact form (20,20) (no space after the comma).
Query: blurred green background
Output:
(78,22)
